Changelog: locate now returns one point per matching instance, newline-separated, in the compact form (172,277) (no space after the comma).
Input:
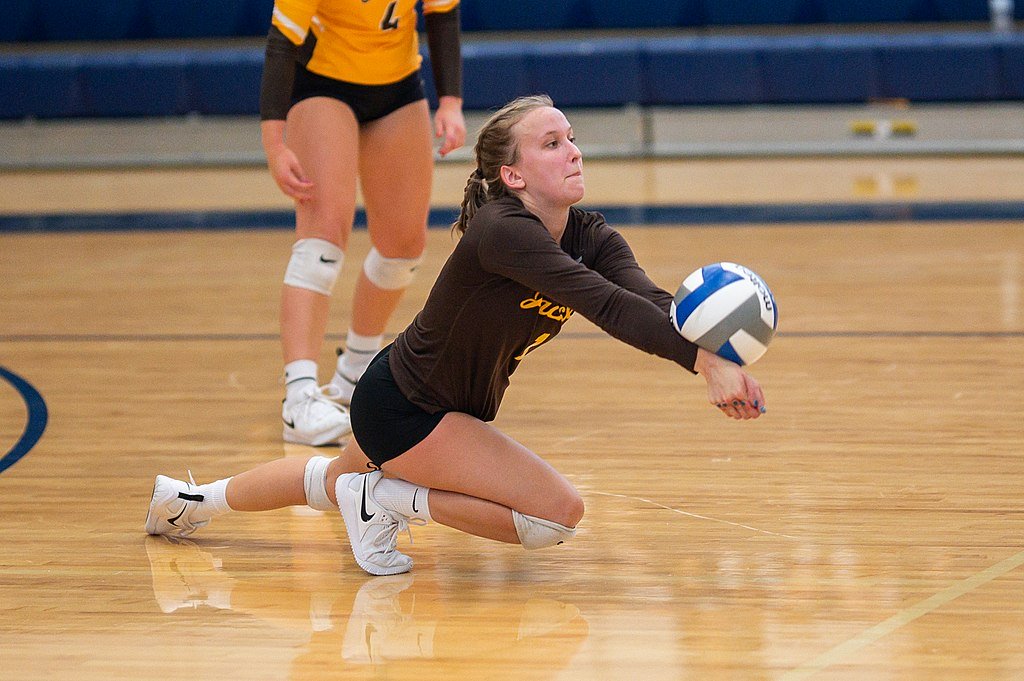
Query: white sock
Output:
(298,376)
(359,350)
(403,497)
(215,501)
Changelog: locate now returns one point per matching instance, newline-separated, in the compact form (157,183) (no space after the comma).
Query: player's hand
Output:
(288,174)
(449,124)
(731,389)
(283,163)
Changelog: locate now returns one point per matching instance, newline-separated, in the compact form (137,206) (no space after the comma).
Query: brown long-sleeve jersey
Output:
(507,289)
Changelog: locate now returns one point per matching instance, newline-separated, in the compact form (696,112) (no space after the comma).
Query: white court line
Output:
(693,515)
(902,618)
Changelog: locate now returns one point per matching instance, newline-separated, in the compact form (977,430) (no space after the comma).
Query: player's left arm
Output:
(445,44)
(520,248)
(616,262)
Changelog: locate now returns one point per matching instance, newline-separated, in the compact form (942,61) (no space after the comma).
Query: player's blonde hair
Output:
(496,146)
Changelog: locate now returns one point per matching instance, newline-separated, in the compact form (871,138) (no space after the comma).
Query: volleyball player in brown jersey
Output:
(342,97)
(527,260)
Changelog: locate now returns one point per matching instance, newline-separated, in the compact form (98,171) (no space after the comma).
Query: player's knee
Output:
(390,274)
(567,509)
(315,265)
(538,533)
(573,510)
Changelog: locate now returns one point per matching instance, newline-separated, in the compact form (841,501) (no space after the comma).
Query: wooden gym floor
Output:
(870,526)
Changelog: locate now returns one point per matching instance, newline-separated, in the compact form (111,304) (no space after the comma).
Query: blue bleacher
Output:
(178,19)
(531,15)
(64,20)
(845,11)
(751,12)
(19,24)
(616,14)
(961,10)
(577,69)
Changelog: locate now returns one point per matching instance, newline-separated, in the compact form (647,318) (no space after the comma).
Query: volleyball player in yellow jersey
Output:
(342,97)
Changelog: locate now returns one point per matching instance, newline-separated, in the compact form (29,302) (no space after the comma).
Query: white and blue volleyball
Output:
(726,309)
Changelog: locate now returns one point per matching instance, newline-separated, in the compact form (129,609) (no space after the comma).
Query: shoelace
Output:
(327,394)
(389,532)
(404,523)
(192,526)
(330,392)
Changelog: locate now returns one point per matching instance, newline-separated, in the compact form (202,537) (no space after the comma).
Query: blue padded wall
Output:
(45,86)
(819,70)
(593,72)
(929,68)
(227,83)
(1011,61)
(586,72)
(159,87)
(703,71)
(492,72)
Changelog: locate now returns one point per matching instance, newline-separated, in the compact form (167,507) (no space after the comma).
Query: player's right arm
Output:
(288,30)
(730,388)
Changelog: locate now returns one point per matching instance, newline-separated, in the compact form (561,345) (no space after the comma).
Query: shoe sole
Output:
(150,520)
(331,437)
(353,536)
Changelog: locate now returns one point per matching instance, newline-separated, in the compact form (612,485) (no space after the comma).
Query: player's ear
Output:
(511,177)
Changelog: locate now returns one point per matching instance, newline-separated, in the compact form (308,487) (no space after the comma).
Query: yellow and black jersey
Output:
(368,42)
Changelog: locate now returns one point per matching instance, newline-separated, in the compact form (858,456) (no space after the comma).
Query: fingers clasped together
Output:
(735,392)
(742,409)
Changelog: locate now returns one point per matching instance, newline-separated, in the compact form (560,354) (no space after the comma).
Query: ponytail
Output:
(474,196)
(496,146)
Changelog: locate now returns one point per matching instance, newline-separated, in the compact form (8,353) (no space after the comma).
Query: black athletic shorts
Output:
(385,423)
(368,102)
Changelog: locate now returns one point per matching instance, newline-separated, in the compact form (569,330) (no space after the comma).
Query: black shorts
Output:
(368,102)
(385,423)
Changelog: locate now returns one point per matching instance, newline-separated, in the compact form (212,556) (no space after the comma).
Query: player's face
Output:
(550,164)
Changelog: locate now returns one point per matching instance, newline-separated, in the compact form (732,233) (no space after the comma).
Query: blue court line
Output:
(707,214)
(35,423)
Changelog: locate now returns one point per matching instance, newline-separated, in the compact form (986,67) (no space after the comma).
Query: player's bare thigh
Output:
(396,168)
(463,454)
(324,135)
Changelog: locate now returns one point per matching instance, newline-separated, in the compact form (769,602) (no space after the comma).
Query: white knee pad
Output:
(314,481)
(389,273)
(537,533)
(315,265)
